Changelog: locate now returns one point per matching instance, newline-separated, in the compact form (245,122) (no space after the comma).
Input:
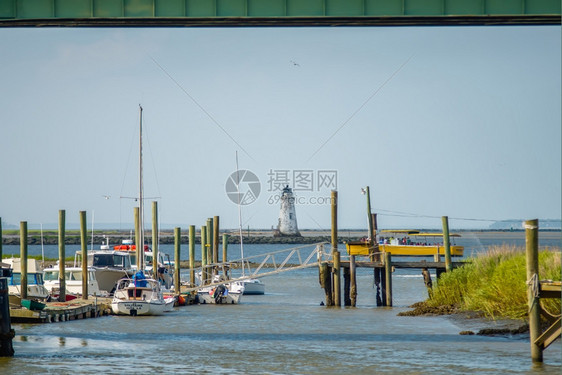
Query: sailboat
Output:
(251,286)
(140,295)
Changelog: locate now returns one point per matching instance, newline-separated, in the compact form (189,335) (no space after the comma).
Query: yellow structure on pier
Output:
(399,242)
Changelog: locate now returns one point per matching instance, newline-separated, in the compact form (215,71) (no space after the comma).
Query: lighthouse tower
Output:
(287,216)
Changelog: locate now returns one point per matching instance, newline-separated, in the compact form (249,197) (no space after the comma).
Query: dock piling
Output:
(532,257)
(447,244)
(192,254)
(215,239)
(335,253)
(62,256)
(84,244)
(177,251)
(155,240)
(6,331)
(23,259)
(388,277)
(353,281)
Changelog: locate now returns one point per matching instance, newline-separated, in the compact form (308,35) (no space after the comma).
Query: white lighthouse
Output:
(287,216)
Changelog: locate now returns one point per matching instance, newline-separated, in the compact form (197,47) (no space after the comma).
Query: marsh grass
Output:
(494,283)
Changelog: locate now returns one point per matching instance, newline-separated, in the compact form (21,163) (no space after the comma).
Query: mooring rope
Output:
(533,283)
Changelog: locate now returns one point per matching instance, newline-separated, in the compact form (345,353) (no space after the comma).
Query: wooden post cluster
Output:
(203,254)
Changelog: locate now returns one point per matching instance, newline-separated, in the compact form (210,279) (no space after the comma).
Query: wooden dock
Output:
(62,311)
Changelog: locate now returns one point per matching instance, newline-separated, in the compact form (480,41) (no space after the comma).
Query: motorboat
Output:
(165,266)
(226,293)
(35,284)
(140,296)
(109,266)
(73,281)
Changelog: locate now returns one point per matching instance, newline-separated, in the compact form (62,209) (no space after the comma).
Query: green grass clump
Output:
(494,283)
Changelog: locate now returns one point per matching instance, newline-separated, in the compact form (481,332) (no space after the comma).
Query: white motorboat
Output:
(165,265)
(109,266)
(140,296)
(35,284)
(73,281)
(228,293)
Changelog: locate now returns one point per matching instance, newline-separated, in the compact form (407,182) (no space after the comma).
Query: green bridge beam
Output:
(240,13)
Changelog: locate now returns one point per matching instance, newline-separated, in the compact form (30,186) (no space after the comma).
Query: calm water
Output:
(285,331)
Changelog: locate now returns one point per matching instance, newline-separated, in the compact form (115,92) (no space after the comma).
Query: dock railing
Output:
(261,265)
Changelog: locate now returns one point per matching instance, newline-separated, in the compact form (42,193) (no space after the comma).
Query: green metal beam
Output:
(14,13)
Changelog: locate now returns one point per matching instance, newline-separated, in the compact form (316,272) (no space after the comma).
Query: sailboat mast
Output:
(140,250)
(240,214)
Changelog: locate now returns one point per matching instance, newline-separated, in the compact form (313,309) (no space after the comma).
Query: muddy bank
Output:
(470,321)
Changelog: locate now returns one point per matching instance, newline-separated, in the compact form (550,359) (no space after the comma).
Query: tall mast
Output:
(140,251)
(239,213)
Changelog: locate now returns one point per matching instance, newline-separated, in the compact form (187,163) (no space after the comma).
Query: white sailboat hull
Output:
(146,299)
(253,287)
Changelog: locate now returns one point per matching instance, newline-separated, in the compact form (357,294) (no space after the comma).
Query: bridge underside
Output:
(255,13)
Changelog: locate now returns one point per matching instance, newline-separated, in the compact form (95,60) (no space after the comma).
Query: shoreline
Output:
(249,237)
(470,321)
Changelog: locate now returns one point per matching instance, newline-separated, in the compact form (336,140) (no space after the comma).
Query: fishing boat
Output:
(140,296)
(109,266)
(405,242)
(73,281)
(35,284)
(165,268)
(227,293)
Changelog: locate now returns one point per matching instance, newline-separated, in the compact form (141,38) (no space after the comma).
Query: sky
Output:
(463,122)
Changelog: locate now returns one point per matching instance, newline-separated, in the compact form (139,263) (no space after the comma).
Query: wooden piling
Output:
(225,248)
(369,217)
(192,254)
(209,247)
(23,259)
(378,285)
(6,331)
(388,275)
(203,254)
(62,256)
(1,250)
(84,244)
(447,244)
(155,240)
(427,281)
(326,282)
(215,239)
(335,252)
(382,277)
(353,281)
(336,269)
(177,251)
(346,287)
(532,257)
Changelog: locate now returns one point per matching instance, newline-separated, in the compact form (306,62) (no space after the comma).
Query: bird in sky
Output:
(294,63)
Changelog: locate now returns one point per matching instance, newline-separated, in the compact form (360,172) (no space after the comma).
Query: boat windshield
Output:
(32,279)
(51,275)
